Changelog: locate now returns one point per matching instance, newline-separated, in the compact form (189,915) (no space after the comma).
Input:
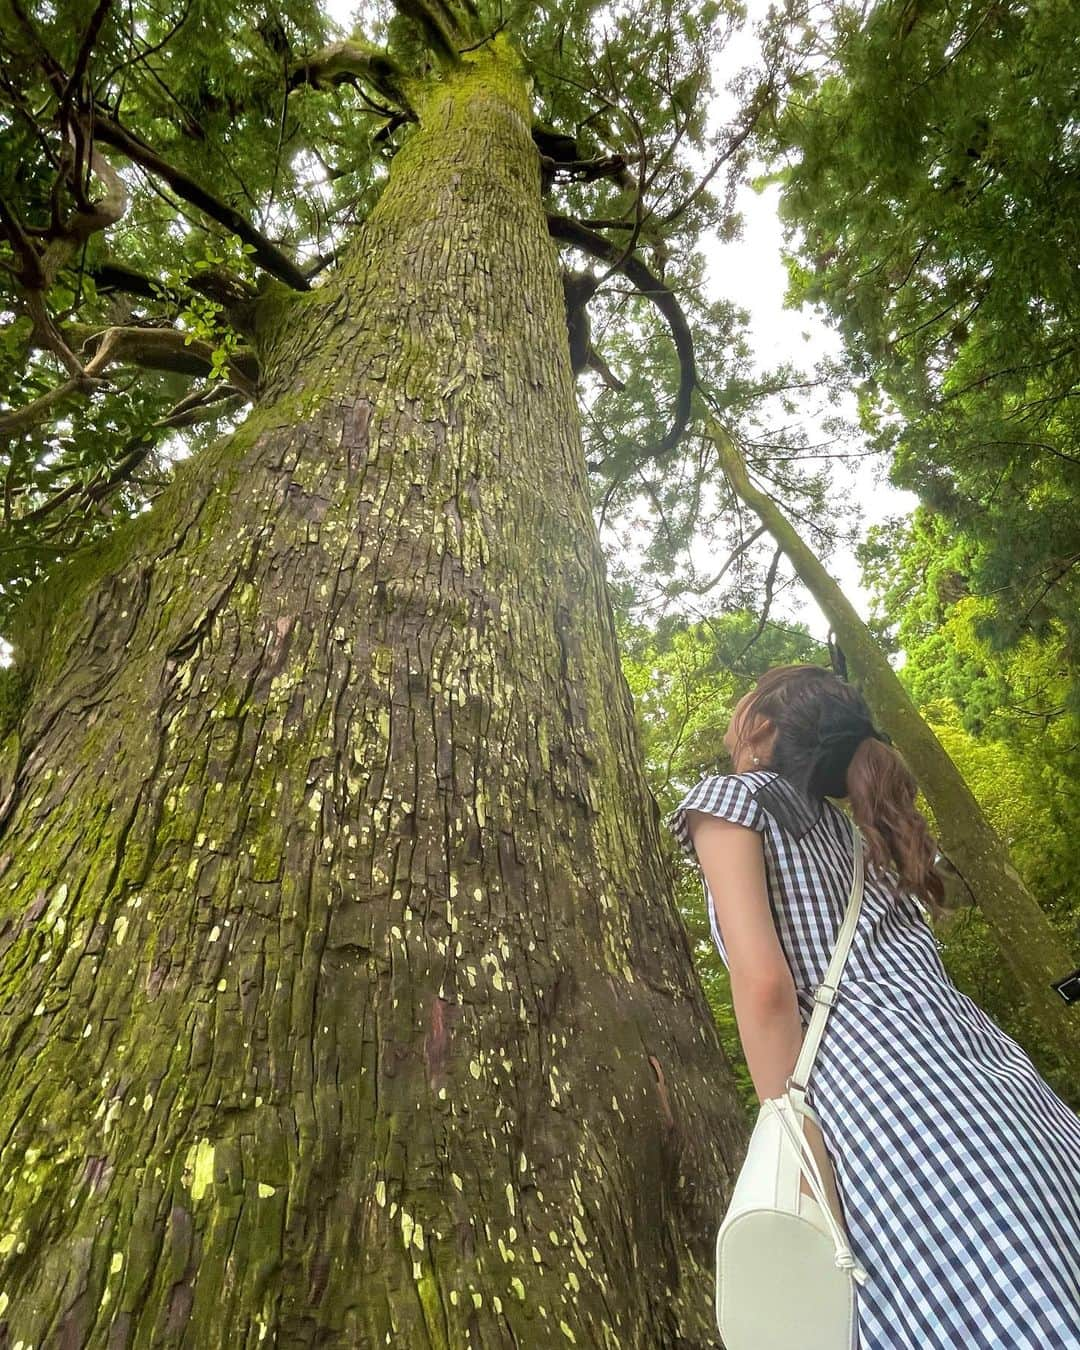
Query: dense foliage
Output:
(931,170)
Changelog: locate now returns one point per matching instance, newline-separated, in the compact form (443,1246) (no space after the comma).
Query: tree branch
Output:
(662,296)
(439,27)
(83,58)
(347,62)
(194,407)
(150,348)
(266,254)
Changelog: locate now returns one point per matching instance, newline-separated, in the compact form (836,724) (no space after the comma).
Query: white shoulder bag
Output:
(785,1271)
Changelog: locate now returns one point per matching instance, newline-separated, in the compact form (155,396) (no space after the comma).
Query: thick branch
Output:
(230,291)
(151,348)
(266,254)
(83,58)
(572,232)
(438,25)
(88,220)
(348,62)
(161,349)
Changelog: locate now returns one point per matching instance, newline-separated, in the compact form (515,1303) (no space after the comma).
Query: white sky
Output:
(749,272)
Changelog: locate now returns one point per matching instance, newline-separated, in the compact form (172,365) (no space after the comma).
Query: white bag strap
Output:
(825,993)
(845,1257)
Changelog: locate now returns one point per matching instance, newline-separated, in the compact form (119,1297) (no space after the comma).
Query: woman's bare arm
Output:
(762,990)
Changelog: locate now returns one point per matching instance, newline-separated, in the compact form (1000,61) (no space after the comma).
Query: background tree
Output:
(1027,940)
(1008,725)
(930,181)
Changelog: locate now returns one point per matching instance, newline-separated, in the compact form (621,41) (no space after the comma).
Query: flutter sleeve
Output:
(726,796)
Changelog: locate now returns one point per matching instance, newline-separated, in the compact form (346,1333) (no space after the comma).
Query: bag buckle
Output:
(791,1086)
(826,994)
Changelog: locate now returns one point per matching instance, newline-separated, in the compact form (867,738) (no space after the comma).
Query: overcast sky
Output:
(749,272)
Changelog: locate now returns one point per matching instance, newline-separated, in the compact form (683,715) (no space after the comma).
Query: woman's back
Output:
(808,862)
(958,1167)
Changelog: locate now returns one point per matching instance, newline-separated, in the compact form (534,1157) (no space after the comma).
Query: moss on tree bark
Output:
(345,999)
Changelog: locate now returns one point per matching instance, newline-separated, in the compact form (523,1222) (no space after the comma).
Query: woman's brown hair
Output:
(827,745)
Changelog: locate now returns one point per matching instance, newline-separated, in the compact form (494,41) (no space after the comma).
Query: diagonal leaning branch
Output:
(266,254)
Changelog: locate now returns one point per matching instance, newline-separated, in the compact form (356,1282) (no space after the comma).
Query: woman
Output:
(958,1169)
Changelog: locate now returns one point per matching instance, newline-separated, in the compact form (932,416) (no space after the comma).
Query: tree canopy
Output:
(931,183)
(163,170)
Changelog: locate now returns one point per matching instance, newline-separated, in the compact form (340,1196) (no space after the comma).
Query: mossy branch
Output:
(439,26)
(355,61)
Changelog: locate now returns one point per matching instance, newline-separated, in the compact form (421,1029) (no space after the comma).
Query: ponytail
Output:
(882,791)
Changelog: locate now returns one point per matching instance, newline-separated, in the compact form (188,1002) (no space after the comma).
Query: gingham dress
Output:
(958,1167)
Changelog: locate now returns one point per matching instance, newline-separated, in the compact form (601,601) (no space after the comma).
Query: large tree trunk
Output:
(970,842)
(346,1002)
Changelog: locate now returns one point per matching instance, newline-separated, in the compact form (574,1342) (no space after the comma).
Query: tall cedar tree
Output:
(345,1001)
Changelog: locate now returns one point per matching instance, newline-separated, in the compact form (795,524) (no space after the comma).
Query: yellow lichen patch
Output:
(568,1333)
(117,1263)
(265,1191)
(199,1168)
(518,1288)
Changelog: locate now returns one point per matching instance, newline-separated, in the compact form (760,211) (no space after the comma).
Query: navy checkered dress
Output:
(958,1167)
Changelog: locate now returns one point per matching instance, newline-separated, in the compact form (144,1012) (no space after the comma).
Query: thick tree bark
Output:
(970,842)
(345,999)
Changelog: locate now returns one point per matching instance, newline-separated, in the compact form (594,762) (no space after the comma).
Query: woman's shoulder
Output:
(783,806)
(761,799)
(726,795)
